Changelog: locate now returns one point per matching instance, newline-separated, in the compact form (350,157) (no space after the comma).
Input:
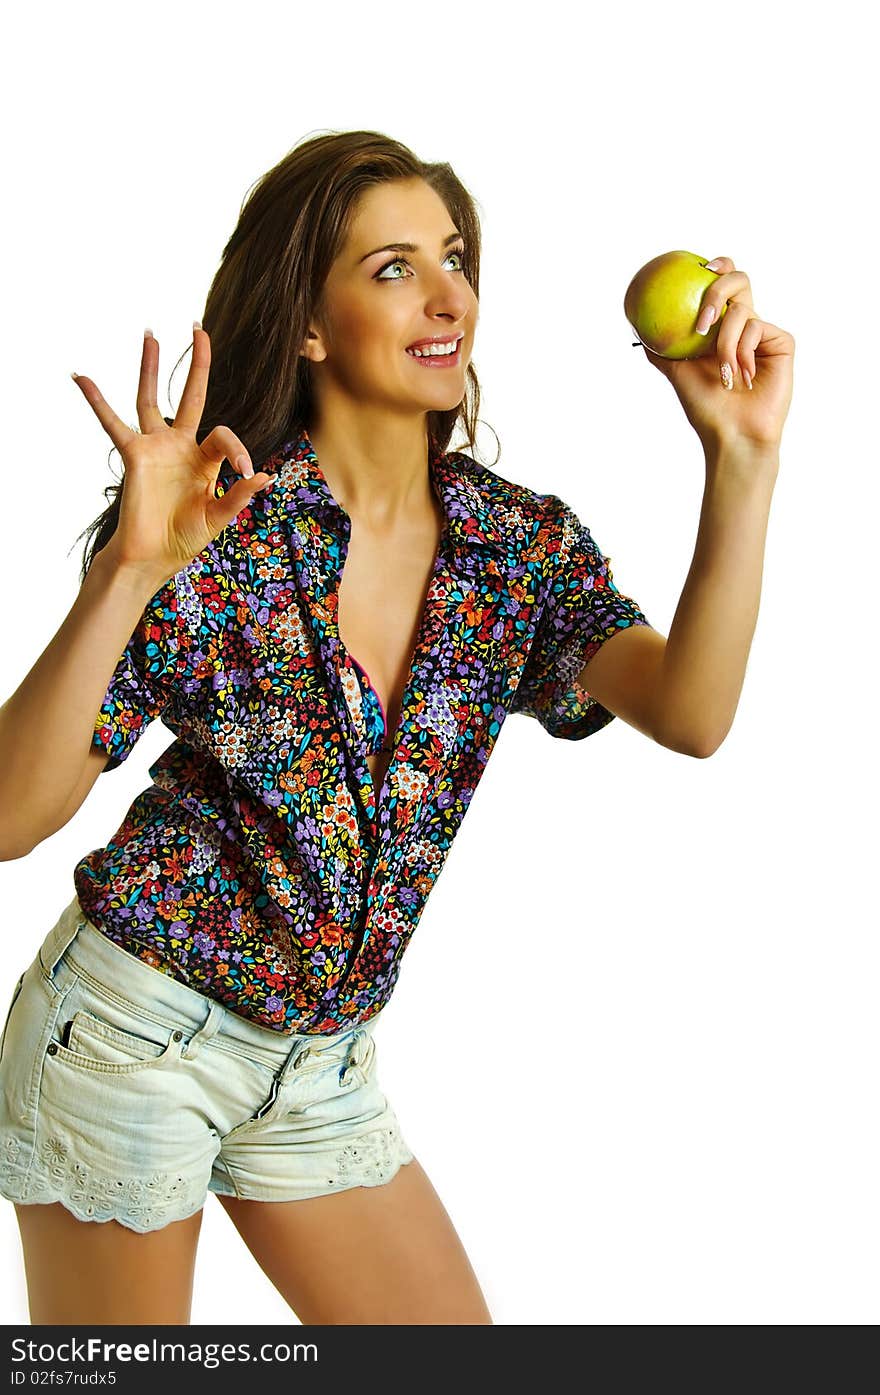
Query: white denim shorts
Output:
(127,1096)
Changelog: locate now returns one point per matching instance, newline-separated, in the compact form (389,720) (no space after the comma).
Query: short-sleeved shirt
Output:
(261,867)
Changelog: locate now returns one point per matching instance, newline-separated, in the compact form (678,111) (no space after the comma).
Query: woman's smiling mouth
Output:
(437,354)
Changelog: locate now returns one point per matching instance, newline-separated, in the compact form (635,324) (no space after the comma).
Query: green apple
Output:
(662,303)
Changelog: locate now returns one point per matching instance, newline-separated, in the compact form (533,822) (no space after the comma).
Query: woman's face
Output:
(378,303)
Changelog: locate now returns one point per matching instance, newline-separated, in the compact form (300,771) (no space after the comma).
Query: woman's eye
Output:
(400,261)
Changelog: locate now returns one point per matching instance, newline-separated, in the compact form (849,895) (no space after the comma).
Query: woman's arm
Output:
(684,692)
(623,675)
(46,725)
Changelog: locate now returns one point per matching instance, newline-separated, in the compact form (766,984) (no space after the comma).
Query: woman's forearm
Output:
(704,664)
(46,725)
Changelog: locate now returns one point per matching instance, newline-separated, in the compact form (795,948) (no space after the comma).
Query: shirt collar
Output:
(469,519)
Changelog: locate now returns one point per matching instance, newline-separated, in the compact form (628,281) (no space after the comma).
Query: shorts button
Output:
(52,1048)
(177,1036)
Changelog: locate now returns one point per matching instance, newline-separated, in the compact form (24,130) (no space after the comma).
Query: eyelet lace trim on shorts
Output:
(148,1203)
(139,1203)
(372,1158)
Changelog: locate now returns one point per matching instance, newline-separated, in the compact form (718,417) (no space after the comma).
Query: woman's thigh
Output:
(367,1255)
(100,1271)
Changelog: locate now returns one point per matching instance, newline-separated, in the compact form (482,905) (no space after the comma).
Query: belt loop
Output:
(208,1029)
(298,1053)
(62,934)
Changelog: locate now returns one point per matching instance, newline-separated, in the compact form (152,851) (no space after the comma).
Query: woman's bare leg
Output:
(101,1272)
(386,1254)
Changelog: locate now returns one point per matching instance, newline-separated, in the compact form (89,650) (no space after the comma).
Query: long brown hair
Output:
(269,287)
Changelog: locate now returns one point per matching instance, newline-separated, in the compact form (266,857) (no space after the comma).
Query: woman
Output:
(333,613)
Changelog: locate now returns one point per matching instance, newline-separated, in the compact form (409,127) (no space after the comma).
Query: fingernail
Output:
(74,376)
(148,334)
(197,324)
(713,266)
(748,377)
(705,318)
(727,376)
(245,466)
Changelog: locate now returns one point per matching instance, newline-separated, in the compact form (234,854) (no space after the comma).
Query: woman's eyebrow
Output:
(406,246)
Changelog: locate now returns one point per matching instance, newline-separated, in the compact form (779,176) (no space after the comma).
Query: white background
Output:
(682,1127)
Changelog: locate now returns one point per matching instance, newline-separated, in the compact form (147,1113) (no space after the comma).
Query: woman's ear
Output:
(314,349)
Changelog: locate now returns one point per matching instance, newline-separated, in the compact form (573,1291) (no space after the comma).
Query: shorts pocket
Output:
(88,1041)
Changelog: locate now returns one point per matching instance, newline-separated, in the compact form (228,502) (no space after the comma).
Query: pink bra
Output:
(374,719)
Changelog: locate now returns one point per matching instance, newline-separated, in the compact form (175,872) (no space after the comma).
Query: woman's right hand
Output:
(168,512)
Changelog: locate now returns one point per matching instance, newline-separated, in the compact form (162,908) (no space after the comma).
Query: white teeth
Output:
(434,349)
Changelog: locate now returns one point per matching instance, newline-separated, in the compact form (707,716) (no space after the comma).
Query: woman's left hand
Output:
(737,415)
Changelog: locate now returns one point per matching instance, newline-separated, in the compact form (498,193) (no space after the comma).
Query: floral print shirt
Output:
(261,867)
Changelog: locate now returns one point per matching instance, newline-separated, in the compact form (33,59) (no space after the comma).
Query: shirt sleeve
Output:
(581,607)
(138,690)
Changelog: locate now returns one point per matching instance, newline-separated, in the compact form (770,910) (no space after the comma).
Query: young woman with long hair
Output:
(333,611)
